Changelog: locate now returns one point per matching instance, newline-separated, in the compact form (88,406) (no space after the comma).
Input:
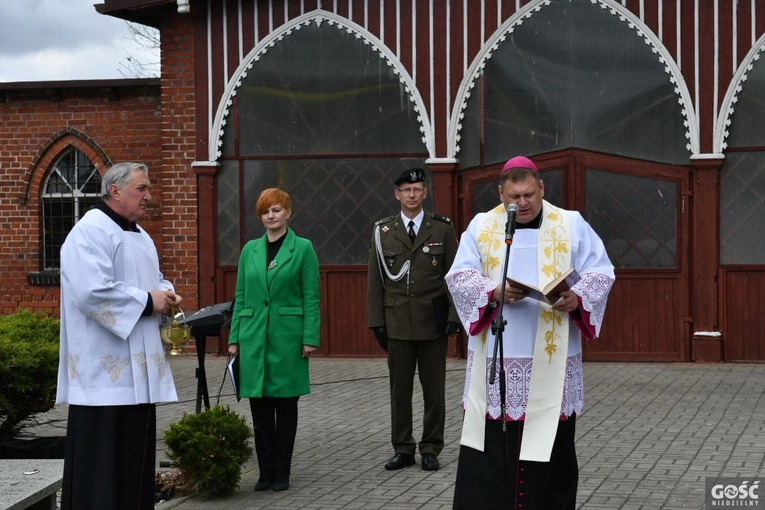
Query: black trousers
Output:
(109,458)
(496,479)
(275,421)
(428,357)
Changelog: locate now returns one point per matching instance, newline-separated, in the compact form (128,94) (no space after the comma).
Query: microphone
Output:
(512,210)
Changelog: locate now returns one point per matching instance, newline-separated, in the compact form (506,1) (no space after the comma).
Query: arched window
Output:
(573,75)
(323,116)
(577,81)
(742,177)
(70,188)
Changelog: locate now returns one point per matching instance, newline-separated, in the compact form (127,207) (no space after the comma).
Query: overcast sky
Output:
(45,40)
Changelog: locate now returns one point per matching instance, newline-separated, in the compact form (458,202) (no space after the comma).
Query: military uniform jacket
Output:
(405,307)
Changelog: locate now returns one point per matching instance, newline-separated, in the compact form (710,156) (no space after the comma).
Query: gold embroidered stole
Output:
(550,347)
(491,243)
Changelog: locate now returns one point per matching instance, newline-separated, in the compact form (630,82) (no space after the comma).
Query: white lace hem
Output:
(593,289)
(518,377)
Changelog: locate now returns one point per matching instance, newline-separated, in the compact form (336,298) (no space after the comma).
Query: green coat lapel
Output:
(259,261)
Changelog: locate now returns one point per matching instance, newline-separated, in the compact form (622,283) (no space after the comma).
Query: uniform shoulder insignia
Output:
(385,220)
(442,218)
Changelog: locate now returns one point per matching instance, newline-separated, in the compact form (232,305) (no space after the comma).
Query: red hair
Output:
(270,197)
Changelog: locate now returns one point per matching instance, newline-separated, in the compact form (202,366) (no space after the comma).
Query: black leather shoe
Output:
(430,462)
(399,461)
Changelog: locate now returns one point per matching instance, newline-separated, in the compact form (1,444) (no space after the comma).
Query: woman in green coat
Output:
(275,329)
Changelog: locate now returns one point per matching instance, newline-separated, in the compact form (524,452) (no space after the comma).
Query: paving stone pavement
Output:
(649,435)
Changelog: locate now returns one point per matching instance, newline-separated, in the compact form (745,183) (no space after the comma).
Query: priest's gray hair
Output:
(120,175)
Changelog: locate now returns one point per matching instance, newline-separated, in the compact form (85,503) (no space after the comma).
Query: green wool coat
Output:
(276,312)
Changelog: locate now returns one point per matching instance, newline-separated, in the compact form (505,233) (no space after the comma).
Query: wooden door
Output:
(742,297)
(640,210)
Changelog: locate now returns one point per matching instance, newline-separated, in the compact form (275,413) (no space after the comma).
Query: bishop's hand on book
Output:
(551,292)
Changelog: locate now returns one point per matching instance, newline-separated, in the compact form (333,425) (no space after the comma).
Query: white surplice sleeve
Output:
(597,275)
(469,287)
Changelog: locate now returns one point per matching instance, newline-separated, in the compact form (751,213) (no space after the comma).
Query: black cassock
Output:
(493,480)
(109,459)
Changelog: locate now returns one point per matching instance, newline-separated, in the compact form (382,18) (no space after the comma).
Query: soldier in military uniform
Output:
(411,314)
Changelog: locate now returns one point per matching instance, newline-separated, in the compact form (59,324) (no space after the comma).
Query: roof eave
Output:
(145,12)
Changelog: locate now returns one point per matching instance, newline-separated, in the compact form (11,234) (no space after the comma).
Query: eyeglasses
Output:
(406,191)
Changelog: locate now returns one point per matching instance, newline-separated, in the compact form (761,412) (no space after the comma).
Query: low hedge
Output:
(29,344)
(209,449)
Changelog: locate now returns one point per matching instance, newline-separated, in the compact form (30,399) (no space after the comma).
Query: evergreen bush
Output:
(29,344)
(209,449)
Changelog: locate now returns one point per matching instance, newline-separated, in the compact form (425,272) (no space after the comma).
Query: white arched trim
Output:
(318,16)
(517,19)
(731,96)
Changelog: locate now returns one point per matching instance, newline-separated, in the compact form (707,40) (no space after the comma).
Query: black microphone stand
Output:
(498,326)
(498,329)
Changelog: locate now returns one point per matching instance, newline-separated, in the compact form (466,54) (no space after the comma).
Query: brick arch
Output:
(52,149)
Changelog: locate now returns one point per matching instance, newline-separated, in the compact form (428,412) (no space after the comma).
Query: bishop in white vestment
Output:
(533,461)
(112,366)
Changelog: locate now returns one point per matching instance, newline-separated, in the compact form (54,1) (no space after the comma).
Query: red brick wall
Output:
(178,139)
(122,120)
(109,124)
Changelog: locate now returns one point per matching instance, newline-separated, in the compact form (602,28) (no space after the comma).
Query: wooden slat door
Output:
(743,295)
(641,212)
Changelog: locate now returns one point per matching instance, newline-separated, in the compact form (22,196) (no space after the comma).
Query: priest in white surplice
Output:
(112,366)
(532,464)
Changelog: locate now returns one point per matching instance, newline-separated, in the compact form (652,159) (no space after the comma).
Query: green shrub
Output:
(209,449)
(29,345)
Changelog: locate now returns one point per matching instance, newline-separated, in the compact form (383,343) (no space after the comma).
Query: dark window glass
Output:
(318,91)
(635,217)
(742,177)
(227,185)
(747,126)
(742,208)
(574,75)
(322,90)
(469,155)
(71,187)
(486,195)
(335,202)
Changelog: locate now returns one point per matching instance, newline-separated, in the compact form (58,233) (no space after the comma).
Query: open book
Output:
(550,293)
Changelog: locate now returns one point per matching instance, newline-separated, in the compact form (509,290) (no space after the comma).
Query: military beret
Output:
(410,176)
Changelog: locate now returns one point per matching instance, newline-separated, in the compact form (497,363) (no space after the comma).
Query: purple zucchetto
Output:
(520,162)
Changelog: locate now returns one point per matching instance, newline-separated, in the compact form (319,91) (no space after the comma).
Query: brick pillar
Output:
(707,341)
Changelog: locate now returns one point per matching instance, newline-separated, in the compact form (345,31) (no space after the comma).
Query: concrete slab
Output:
(30,483)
